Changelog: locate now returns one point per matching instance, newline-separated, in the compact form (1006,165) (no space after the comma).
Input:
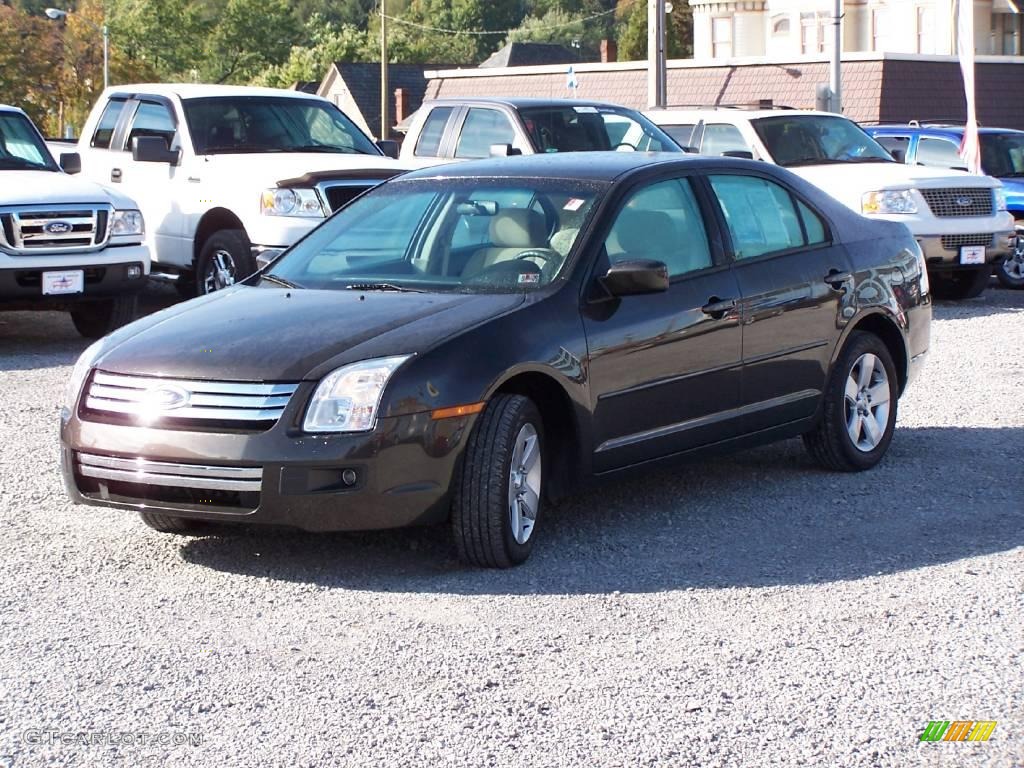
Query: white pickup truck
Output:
(959,220)
(227,176)
(65,243)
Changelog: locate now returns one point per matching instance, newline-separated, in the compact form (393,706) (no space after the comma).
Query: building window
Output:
(721,37)
(1013,33)
(780,27)
(812,31)
(925,29)
(877,23)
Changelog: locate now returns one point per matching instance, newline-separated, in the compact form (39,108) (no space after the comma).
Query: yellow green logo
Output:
(958,730)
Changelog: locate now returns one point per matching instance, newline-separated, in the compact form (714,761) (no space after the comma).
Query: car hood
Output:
(274,334)
(274,167)
(56,188)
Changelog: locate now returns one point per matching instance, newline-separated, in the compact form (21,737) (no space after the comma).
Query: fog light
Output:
(349,477)
(134,272)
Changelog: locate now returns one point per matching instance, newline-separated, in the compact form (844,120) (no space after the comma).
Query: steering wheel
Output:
(624,146)
(544,254)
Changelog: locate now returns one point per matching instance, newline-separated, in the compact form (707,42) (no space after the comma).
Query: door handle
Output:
(115,174)
(837,279)
(717,307)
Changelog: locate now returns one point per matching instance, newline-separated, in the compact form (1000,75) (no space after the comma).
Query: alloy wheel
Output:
(867,402)
(524,483)
(1013,266)
(220,271)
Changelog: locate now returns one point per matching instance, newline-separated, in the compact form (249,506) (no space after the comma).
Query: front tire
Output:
(859,410)
(94,319)
(498,488)
(962,283)
(172,524)
(1011,271)
(225,259)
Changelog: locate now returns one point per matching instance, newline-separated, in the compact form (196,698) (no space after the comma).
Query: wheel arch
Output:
(885,327)
(214,220)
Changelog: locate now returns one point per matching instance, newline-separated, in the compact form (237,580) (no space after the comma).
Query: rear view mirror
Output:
(477,208)
(71,162)
(153,149)
(389,148)
(638,276)
(504,150)
(742,154)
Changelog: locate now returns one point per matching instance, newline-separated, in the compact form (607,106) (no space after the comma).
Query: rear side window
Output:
(763,217)
(939,153)
(720,138)
(429,143)
(482,128)
(152,119)
(108,121)
(682,133)
(895,144)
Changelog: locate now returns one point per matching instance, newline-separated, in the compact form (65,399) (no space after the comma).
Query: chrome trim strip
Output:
(216,414)
(194,386)
(125,395)
(169,468)
(171,481)
(29,243)
(146,472)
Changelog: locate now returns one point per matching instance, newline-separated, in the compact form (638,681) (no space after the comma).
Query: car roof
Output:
(203,90)
(706,113)
(940,130)
(9,108)
(517,102)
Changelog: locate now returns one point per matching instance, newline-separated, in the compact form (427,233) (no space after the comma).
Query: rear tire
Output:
(172,524)
(859,409)
(498,488)
(962,283)
(225,259)
(1011,271)
(94,319)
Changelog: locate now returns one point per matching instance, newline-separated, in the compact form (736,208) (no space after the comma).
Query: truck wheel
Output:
(1011,271)
(859,409)
(94,319)
(498,487)
(962,283)
(172,524)
(224,260)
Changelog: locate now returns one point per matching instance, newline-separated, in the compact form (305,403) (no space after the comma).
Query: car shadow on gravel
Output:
(766,517)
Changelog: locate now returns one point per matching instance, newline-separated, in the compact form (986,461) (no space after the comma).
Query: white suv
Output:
(960,220)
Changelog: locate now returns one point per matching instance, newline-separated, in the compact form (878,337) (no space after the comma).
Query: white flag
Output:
(571,82)
(970,150)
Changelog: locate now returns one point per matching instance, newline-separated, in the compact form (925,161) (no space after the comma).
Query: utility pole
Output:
(385,102)
(835,77)
(656,53)
(106,57)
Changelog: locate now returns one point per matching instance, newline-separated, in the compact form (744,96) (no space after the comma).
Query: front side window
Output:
(894,144)
(452,235)
(683,133)
(720,138)
(429,142)
(939,153)
(1002,154)
(593,129)
(481,129)
(763,217)
(152,119)
(108,121)
(817,139)
(264,124)
(661,222)
(21,148)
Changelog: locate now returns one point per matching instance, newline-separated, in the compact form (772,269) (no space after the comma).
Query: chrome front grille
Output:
(161,473)
(959,202)
(47,229)
(182,402)
(954,242)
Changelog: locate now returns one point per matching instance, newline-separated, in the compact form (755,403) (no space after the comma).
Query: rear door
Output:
(791,278)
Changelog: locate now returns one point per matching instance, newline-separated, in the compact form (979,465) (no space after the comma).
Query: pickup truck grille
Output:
(184,404)
(34,229)
(959,202)
(953,242)
(340,195)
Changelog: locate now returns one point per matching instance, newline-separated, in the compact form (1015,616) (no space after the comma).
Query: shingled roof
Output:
(355,88)
(531,54)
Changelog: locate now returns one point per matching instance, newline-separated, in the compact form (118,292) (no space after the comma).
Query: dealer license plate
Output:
(972,254)
(72,281)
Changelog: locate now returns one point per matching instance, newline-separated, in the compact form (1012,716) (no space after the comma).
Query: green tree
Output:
(249,36)
(327,44)
(28,48)
(164,35)
(632,38)
(561,28)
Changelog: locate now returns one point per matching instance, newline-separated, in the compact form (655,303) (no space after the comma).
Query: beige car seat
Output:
(512,231)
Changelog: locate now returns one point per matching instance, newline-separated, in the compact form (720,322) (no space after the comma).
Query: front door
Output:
(664,367)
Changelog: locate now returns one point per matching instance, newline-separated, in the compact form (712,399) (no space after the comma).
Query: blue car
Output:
(1002,156)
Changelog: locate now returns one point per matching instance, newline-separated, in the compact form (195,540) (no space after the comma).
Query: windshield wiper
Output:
(381,287)
(868,160)
(279,281)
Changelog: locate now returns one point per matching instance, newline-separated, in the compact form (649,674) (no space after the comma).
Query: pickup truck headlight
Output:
(127,223)
(888,201)
(79,374)
(346,400)
(291,202)
(999,198)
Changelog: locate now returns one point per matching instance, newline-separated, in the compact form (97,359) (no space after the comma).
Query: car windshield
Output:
(258,124)
(21,148)
(467,235)
(593,129)
(795,140)
(1002,154)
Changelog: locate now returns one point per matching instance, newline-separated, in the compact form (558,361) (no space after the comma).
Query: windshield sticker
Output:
(586,110)
(530,278)
(574,204)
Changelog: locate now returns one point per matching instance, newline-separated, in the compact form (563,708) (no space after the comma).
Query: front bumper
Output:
(21,283)
(403,472)
(943,251)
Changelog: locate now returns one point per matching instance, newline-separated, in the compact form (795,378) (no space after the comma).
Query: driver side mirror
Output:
(504,150)
(635,277)
(389,147)
(71,162)
(899,155)
(153,149)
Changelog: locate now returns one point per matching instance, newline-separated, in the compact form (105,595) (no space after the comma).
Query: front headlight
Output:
(888,201)
(79,374)
(346,400)
(999,197)
(127,223)
(291,202)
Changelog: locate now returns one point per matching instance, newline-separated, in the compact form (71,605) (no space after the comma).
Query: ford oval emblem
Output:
(964,202)
(56,227)
(167,397)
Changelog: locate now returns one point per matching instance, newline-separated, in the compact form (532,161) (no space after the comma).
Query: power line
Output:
(483,32)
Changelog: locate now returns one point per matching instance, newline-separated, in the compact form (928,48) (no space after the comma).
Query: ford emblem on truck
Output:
(56,227)
(964,201)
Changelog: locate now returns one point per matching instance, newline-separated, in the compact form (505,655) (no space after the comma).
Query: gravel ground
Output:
(749,611)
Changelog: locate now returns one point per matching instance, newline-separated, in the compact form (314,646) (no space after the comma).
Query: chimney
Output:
(401,103)
(609,51)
